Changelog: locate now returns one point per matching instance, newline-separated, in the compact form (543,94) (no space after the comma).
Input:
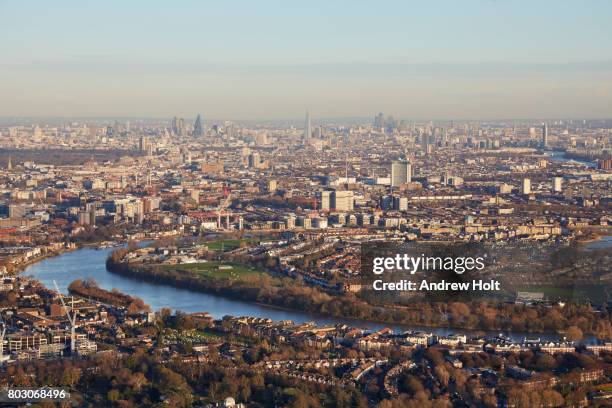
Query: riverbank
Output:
(566,157)
(90,289)
(599,242)
(66,268)
(22,266)
(50,254)
(283,294)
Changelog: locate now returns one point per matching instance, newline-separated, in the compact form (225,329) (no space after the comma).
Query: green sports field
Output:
(227,244)
(215,270)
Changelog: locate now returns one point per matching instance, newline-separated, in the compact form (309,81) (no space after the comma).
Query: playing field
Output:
(217,269)
(226,244)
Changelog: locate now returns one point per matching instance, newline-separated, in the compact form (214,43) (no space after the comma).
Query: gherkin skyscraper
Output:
(198,127)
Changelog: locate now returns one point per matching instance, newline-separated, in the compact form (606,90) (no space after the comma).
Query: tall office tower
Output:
(379,121)
(178,126)
(272,185)
(526,186)
(307,127)
(557,184)
(38,133)
(532,132)
(198,127)
(390,124)
(90,209)
(326,200)
(216,129)
(181,127)
(386,202)
(143,143)
(424,141)
(261,139)
(342,201)
(84,218)
(401,173)
(229,130)
(254,160)
(545,136)
(400,203)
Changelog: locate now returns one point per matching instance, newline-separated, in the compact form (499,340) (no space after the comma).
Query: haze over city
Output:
(340,204)
(263,60)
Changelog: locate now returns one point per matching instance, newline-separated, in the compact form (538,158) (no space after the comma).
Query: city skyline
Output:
(324,204)
(477,60)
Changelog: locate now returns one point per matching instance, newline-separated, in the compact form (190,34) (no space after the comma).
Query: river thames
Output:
(91,263)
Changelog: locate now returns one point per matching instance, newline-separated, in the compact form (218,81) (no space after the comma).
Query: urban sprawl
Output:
(275,213)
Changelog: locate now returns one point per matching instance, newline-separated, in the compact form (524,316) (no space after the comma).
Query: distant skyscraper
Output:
(178,126)
(425,141)
(254,160)
(198,127)
(143,143)
(401,173)
(326,200)
(390,124)
(379,121)
(342,200)
(545,136)
(400,203)
(272,186)
(174,125)
(557,184)
(261,138)
(526,186)
(307,127)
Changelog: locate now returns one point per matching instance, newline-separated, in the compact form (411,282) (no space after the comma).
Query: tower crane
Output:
(71,318)
(2,334)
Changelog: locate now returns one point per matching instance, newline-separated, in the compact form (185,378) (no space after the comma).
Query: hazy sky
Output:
(274,59)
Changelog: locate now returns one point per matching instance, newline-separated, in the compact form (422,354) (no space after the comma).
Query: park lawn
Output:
(211,270)
(227,244)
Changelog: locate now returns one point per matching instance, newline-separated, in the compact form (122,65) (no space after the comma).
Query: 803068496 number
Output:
(33,394)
